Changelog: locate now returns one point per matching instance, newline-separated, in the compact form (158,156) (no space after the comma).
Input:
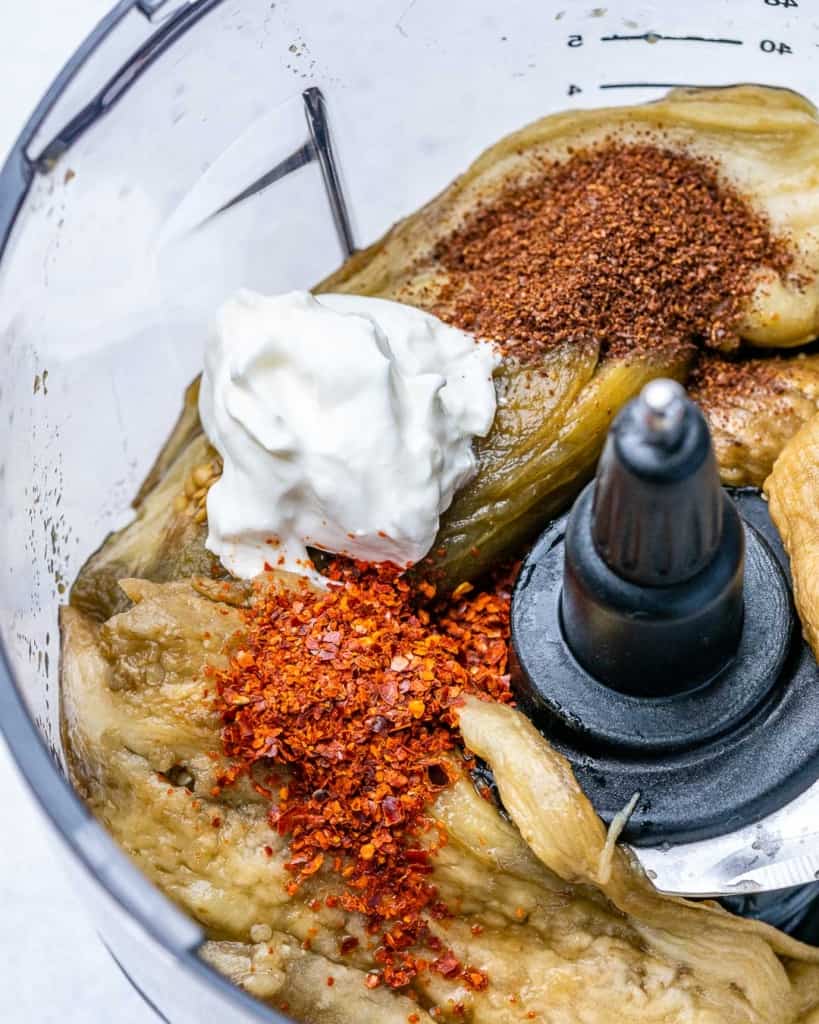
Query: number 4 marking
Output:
(574,90)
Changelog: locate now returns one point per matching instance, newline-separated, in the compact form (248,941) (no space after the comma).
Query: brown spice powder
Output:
(635,246)
(716,378)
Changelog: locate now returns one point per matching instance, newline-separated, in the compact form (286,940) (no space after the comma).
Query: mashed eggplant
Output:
(560,920)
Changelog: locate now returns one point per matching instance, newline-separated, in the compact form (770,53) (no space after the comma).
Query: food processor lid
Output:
(779,851)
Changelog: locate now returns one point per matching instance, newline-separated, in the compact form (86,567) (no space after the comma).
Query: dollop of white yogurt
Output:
(344,423)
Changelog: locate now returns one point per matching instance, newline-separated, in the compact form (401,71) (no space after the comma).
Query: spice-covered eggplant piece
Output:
(309,986)
(764,141)
(792,490)
(137,680)
(753,408)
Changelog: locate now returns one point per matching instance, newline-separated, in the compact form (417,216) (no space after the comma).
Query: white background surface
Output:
(52,966)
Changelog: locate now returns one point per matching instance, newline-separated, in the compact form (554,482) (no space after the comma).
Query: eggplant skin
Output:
(520,487)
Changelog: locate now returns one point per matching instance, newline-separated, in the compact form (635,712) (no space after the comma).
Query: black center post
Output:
(655,636)
(654,554)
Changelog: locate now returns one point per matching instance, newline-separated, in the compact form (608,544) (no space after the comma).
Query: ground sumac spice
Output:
(635,246)
(716,379)
(354,691)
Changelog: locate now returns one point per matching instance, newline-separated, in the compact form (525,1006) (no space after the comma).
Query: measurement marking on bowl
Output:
(656,37)
(652,85)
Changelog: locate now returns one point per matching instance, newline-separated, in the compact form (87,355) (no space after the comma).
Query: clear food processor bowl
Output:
(113,266)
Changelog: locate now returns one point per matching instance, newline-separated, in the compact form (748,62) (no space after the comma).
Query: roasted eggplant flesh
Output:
(166,540)
(563,922)
(792,491)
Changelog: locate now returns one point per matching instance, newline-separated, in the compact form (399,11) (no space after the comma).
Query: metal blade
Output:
(316,113)
(304,155)
(739,861)
(782,874)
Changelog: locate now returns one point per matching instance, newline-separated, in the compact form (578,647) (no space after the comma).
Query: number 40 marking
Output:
(769,46)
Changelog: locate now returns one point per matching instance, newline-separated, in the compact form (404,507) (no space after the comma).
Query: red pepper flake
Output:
(413,1018)
(392,810)
(475,979)
(313,866)
(355,689)
(448,965)
(216,822)
(330,981)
